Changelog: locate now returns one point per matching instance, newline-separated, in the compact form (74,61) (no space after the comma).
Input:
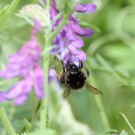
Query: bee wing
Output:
(66,92)
(92,89)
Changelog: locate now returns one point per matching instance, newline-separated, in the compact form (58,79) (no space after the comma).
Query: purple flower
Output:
(53,78)
(86,8)
(26,65)
(69,41)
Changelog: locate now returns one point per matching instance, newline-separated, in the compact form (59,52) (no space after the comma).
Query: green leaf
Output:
(2,11)
(7,12)
(6,122)
(110,132)
(108,67)
(89,25)
(35,12)
(128,123)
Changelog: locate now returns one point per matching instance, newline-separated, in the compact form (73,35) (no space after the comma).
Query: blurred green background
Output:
(110,59)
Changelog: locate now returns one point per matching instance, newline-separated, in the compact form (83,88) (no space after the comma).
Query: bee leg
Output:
(64,70)
(85,68)
(80,64)
(87,72)
(66,93)
(62,78)
(67,65)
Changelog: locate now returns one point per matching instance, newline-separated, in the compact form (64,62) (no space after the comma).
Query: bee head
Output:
(72,68)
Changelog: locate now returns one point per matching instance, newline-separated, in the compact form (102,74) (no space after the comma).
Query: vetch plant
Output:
(68,41)
(63,34)
(25,64)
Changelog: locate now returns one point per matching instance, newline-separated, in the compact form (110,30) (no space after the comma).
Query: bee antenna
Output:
(68,61)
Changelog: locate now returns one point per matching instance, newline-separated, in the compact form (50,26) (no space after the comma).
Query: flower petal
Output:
(18,91)
(44,1)
(53,10)
(37,27)
(86,8)
(9,73)
(81,56)
(62,52)
(73,50)
(23,87)
(67,57)
(54,49)
(20,100)
(76,41)
(23,64)
(2,97)
(75,60)
(82,31)
(53,78)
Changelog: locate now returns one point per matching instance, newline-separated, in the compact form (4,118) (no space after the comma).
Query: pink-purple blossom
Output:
(25,64)
(69,41)
(86,8)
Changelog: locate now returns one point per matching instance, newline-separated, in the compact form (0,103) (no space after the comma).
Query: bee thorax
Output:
(75,81)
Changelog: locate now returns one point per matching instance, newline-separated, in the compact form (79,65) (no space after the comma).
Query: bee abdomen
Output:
(75,81)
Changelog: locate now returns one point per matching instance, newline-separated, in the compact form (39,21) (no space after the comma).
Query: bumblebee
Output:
(74,78)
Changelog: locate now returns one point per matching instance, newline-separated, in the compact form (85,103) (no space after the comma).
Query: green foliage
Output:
(35,11)
(65,6)
(7,12)
(110,58)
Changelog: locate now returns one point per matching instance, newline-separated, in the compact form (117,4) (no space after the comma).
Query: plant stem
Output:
(46,60)
(128,123)
(49,40)
(6,122)
(102,112)
(43,115)
(109,68)
(63,22)
(33,115)
(101,108)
